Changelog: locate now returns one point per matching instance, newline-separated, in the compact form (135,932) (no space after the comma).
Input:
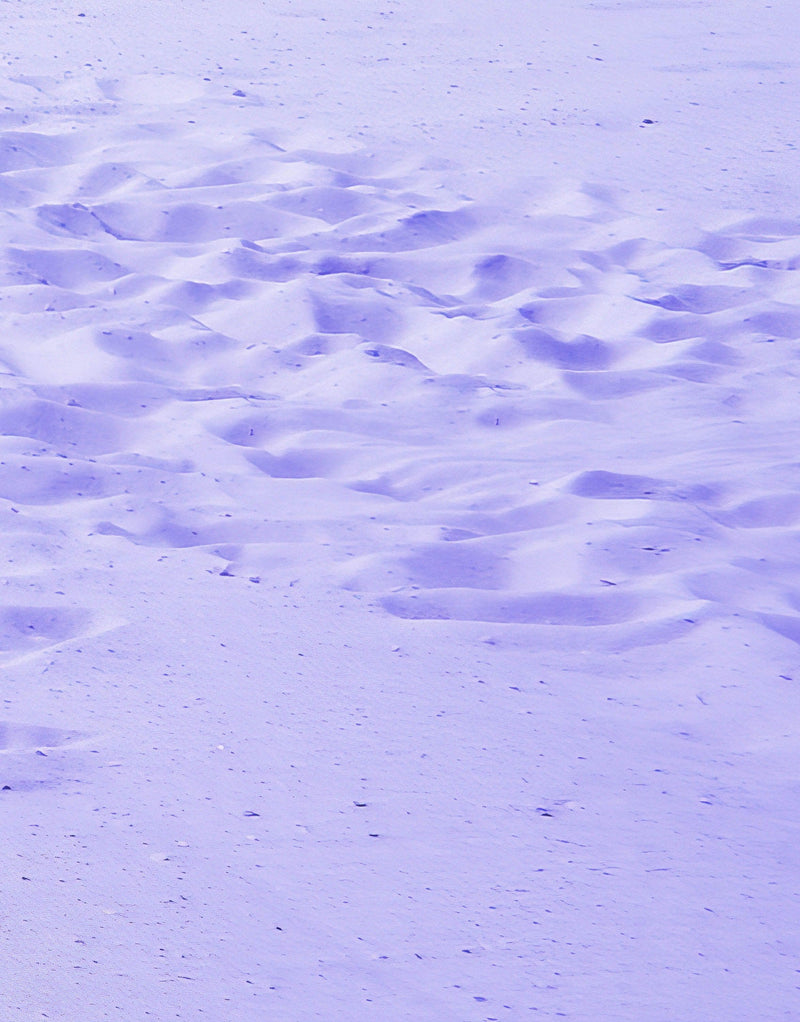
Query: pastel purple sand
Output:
(399,492)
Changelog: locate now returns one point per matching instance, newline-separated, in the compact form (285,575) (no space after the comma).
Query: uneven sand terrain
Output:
(399,488)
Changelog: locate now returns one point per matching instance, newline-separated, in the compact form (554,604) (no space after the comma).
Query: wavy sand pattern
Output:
(284,333)
(399,497)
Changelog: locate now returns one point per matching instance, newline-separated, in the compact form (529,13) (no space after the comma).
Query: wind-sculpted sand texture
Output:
(400,606)
(277,354)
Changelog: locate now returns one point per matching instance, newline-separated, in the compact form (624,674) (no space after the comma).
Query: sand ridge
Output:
(470,387)
(400,610)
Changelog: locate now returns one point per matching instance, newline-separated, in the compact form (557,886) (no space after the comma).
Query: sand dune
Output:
(471,388)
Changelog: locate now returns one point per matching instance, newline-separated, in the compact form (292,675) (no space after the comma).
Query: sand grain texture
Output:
(400,495)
